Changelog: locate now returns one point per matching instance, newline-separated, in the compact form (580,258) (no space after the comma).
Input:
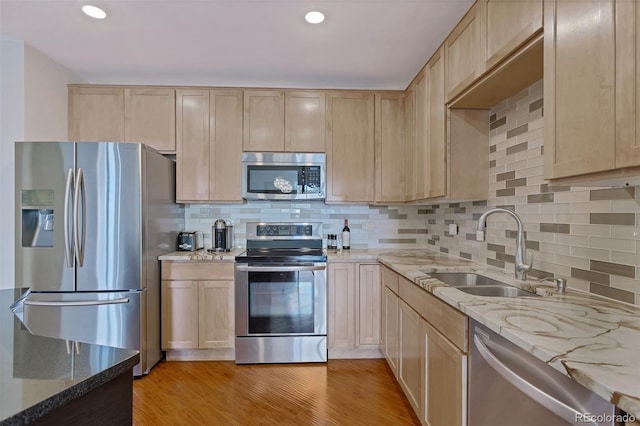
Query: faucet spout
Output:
(522,266)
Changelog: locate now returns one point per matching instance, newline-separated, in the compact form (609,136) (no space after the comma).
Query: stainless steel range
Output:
(281,295)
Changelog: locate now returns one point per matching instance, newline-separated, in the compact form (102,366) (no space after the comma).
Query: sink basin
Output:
(464,279)
(496,291)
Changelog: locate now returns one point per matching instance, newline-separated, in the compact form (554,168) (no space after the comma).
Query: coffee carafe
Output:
(219,233)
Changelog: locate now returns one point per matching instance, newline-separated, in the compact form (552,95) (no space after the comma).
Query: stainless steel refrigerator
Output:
(91,220)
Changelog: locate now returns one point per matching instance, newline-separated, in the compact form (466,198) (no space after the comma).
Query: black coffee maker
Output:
(222,235)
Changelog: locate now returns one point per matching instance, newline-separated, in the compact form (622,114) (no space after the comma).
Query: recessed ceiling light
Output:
(314,17)
(94,11)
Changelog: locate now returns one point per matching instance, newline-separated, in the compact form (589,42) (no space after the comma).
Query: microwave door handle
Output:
(68,230)
(541,397)
(244,268)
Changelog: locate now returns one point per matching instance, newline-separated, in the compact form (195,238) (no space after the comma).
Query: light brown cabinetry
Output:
(411,368)
(209,145)
(591,88)
(96,113)
(353,310)
(390,154)
(150,117)
(509,24)
(425,343)
(390,316)
(305,121)
(465,51)
(435,134)
(277,120)
(350,147)
(123,114)
(197,307)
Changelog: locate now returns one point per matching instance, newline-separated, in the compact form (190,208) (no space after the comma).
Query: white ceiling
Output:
(370,44)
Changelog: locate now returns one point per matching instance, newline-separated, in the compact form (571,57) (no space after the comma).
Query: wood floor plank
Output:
(341,392)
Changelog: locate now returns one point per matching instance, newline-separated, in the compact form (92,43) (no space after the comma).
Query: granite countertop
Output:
(40,374)
(593,340)
(202,255)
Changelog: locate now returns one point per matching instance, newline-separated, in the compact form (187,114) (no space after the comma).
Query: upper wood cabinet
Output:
(436,135)
(263,120)
(350,147)
(96,114)
(591,87)
(209,145)
(277,120)
(305,121)
(390,148)
(465,51)
(509,24)
(150,117)
(132,114)
(416,151)
(410,142)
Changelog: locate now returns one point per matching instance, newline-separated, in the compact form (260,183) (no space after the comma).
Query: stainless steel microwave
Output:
(283,176)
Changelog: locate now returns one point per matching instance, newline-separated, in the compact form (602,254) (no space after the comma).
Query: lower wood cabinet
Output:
(353,310)
(424,341)
(197,308)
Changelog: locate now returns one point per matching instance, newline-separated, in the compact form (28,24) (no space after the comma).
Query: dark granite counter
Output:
(38,375)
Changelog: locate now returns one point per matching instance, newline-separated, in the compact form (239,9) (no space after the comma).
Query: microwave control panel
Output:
(312,179)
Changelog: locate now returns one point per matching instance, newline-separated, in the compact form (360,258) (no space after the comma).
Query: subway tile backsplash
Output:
(591,236)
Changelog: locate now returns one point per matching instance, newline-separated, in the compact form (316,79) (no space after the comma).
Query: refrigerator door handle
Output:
(68,248)
(77,302)
(79,240)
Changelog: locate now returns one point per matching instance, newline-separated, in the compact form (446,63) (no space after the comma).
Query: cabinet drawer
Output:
(447,320)
(390,279)
(197,271)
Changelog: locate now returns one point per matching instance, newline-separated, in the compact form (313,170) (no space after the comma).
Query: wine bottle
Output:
(346,236)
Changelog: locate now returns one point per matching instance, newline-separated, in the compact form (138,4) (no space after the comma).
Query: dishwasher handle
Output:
(549,402)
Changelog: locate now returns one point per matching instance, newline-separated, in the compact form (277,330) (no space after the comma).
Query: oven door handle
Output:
(244,268)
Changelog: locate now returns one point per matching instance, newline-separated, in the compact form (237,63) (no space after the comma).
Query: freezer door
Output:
(108,221)
(43,200)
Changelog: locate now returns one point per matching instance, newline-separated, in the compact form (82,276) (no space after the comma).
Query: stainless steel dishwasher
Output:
(508,385)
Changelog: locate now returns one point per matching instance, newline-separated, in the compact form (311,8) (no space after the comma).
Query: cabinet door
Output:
(350,146)
(445,394)
(96,114)
(342,305)
(390,148)
(411,355)
(390,313)
(263,120)
(225,145)
(410,143)
(179,313)
(368,297)
(437,124)
(305,121)
(150,117)
(216,314)
(579,78)
(192,145)
(509,24)
(421,153)
(465,52)
(627,83)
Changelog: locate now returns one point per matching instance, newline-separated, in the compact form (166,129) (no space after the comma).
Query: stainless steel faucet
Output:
(522,266)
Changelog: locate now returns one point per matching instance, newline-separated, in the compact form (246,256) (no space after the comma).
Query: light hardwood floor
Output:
(341,392)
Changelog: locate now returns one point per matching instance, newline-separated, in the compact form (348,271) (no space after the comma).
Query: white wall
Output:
(33,106)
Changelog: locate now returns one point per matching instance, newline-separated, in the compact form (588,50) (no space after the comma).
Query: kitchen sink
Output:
(464,279)
(496,291)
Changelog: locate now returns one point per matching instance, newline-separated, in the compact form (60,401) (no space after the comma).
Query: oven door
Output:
(281,300)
